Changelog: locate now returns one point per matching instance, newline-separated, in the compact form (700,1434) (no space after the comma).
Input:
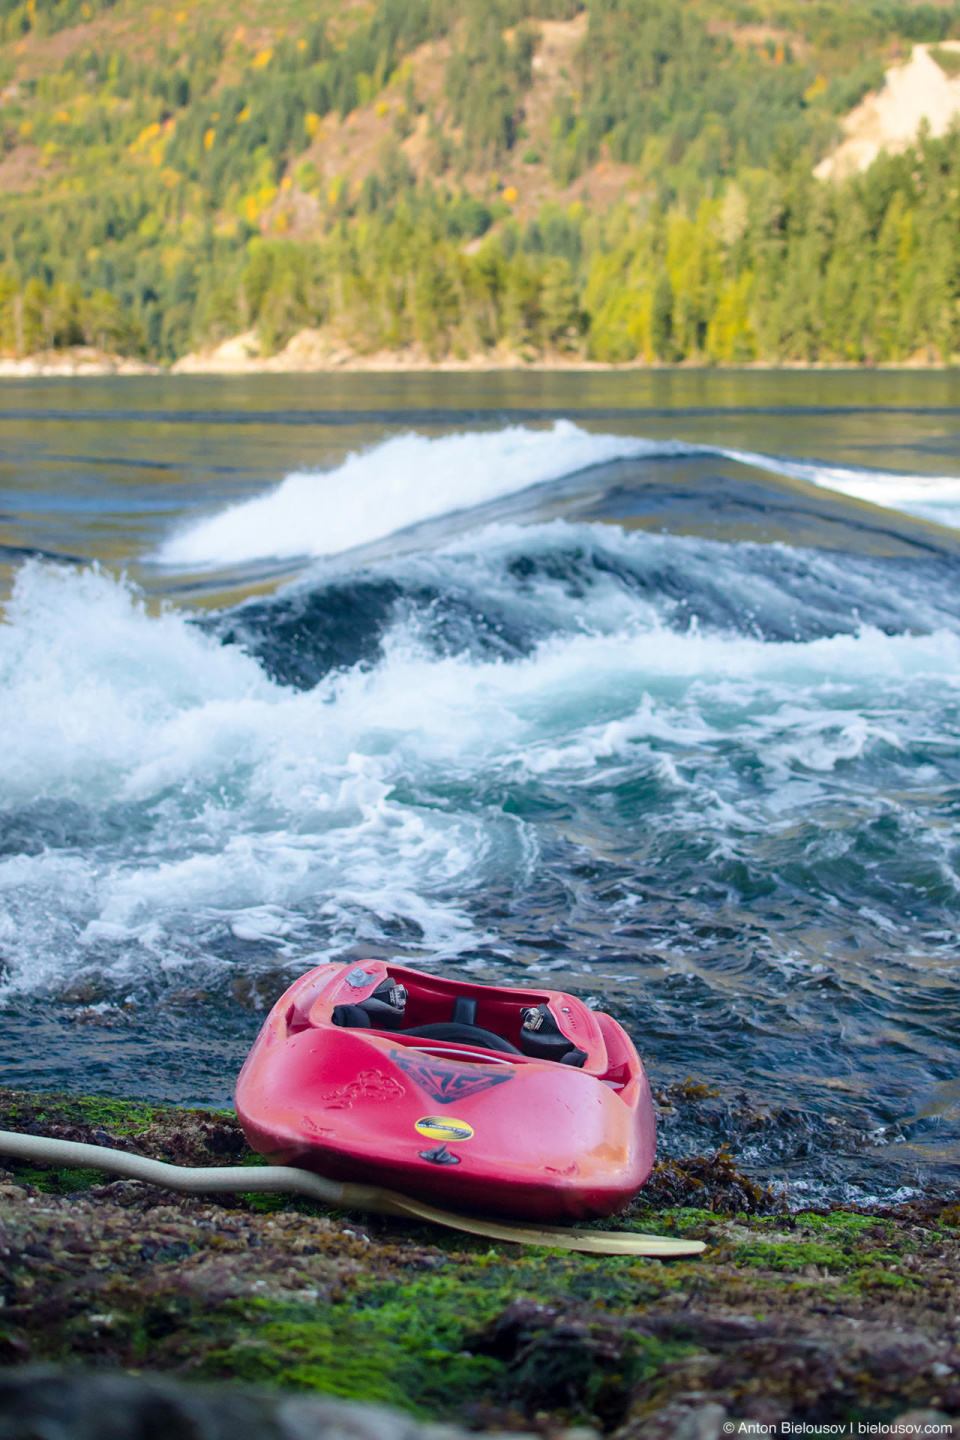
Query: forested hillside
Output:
(620,179)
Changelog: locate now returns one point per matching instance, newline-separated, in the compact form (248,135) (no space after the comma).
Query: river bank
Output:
(830,1316)
(314,352)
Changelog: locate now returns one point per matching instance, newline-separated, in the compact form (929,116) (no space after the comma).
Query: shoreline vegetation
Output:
(826,1316)
(477,184)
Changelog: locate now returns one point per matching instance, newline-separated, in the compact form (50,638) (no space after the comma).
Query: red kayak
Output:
(522,1103)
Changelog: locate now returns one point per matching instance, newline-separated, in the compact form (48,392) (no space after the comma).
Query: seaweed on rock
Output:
(825,1317)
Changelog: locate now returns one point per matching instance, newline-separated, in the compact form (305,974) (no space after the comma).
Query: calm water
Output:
(610,681)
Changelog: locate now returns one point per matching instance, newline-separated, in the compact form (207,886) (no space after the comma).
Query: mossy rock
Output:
(283,1293)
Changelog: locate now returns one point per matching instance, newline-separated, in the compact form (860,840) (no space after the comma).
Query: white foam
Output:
(92,688)
(246,795)
(400,482)
(314,821)
(412,478)
(931,497)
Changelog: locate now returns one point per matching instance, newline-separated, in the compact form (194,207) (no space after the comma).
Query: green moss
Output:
(305,1348)
(424,1341)
(842,1222)
(424,1344)
(885,1258)
(889,1280)
(832,1248)
(402,1344)
(117,1117)
(264,1204)
(794,1255)
(686,1220)
(440,1323)
(56,1181)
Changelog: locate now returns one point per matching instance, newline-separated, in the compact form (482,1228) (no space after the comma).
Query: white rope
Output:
(211,1180)
(273,1179)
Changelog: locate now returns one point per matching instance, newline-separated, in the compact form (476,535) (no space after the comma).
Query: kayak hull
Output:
(451,1123)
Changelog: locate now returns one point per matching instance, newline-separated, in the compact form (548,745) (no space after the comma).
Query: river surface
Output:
(645,686)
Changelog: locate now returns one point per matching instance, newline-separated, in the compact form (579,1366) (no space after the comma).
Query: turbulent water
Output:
(605,686)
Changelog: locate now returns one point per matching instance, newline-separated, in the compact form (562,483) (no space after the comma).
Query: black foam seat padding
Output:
(463,1035)
(352,1017)
(545,1044)
(464,1011)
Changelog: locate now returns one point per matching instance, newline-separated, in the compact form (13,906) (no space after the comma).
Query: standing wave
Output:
(400,482)
(412,478)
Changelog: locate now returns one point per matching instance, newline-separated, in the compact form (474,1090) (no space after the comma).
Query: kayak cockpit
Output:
(391,1007)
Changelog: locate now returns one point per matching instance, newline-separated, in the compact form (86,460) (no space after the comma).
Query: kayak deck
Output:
(524,1104)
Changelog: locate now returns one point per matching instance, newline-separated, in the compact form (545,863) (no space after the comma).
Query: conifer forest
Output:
(620,180)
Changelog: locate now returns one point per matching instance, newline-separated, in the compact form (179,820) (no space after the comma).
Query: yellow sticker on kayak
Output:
(443,1129)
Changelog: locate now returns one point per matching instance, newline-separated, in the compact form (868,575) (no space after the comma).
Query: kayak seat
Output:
(463,1035)
(462,1029)
(544,1043)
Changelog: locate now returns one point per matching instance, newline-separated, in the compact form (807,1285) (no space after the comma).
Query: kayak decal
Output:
(368,1085)
(434,1128)
(448,1082)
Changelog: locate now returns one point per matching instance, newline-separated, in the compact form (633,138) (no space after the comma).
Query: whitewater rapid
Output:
(412,478)
(710,786)
(189,795)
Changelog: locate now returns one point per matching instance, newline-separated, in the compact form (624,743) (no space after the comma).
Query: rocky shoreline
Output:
(313,352)
(74,363)
(827,1317)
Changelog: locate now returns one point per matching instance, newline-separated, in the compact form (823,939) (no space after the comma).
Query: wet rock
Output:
(183,1137)
(926,1422)
(558,1363)
(317,1418)
(811,1316)
(45,1405)
(513,1330)
(712,1332)
(679,1421)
